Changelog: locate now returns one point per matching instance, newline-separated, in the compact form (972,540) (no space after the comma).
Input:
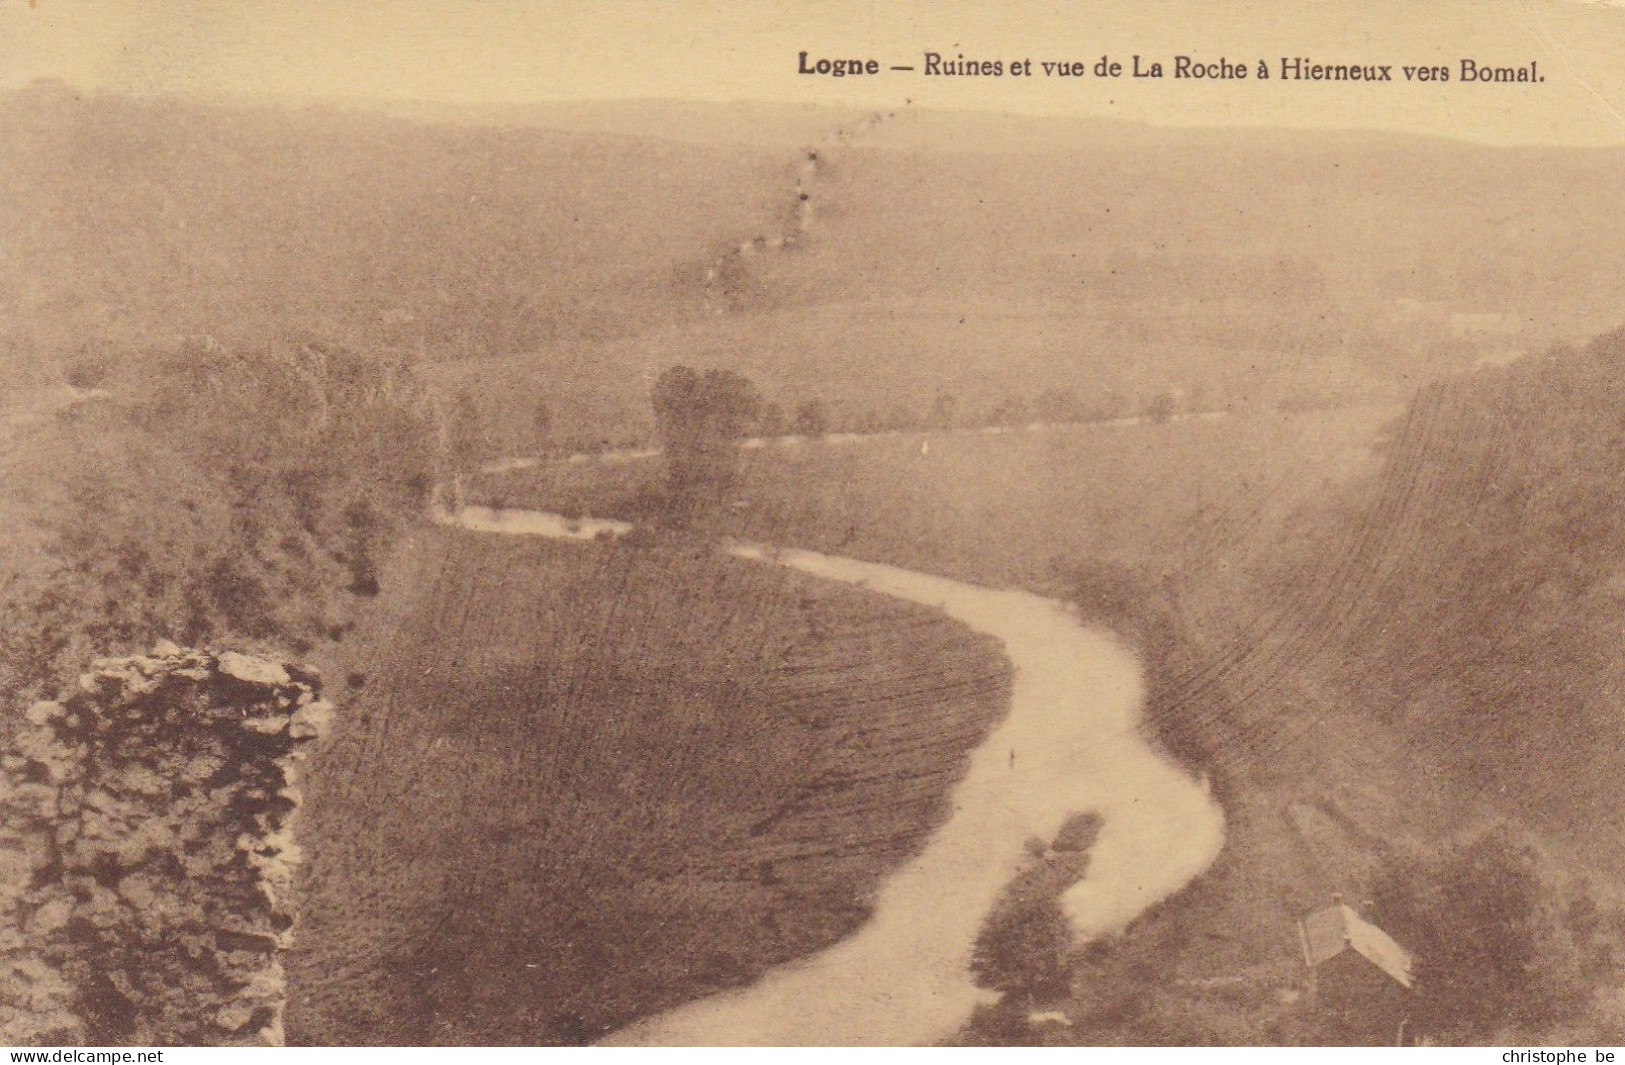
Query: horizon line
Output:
(378,103)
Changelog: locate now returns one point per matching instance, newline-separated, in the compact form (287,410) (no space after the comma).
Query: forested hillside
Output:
(1412,700)
(1482,584)
(207,495)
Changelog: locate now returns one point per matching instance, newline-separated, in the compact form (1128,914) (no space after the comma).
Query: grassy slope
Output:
(582,784)
(32,439)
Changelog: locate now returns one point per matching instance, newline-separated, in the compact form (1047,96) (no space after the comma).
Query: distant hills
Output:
(548,239)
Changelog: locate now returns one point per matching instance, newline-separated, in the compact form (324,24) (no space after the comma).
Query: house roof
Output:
(1329,932)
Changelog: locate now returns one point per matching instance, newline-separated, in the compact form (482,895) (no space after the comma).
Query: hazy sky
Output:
(529,50)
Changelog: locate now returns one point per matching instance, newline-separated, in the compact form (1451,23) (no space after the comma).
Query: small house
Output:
(1360,980)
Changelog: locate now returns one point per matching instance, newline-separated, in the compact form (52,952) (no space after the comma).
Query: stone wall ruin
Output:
(147,851)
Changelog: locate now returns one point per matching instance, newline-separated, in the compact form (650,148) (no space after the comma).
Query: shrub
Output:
(89,370)
(1497,940)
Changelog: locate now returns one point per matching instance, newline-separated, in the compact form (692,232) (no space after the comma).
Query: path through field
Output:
(1070,744)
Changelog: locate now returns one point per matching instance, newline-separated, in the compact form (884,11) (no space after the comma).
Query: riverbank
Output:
(622,455)
(1014,509)
(1075,747)
(1317,796)
(1071,744)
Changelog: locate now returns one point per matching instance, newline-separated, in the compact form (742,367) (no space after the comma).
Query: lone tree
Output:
(541,424)
(1499,945)
(1011,411)
(770,420)
(1058,405)
(700,418)
(812,418)
(466,440)
(1161,408)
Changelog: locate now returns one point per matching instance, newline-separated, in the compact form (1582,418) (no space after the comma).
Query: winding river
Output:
(1070,744)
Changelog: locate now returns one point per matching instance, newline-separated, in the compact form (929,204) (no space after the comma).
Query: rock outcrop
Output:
(147,851)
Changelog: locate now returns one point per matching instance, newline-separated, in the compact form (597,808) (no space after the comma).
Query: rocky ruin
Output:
(147,851)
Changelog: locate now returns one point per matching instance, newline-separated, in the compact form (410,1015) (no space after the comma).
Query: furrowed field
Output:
(575,784)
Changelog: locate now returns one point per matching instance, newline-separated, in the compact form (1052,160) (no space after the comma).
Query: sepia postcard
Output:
(547,523)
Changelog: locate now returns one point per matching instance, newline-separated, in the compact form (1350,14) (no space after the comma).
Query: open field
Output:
(578,784)
(1017,507)
(891,357)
